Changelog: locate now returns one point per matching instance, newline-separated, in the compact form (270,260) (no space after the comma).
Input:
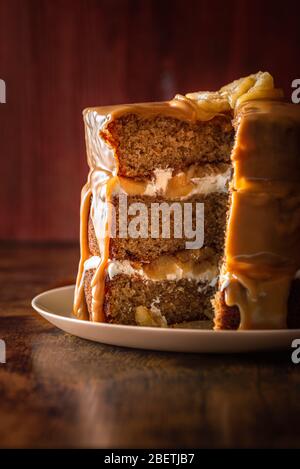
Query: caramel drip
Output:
(103,238)
(79,307)
(262,303)
(98,281)
(263,236)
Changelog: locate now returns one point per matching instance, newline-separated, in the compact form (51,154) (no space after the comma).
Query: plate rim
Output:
(44,312)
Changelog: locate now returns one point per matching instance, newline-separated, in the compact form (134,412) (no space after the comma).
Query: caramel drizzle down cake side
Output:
(262,250)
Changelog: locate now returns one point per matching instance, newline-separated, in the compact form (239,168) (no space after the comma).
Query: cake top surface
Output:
(270,109)
(193,107)
(200,105)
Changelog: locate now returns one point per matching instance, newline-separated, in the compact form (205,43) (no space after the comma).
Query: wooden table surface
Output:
(61,391)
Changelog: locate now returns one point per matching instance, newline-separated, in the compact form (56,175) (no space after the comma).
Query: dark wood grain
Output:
(60,391)
(58,57)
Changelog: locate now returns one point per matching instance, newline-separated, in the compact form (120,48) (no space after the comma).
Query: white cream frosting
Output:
(92,263)
(201,185)
(212,183)
(160,182)
(224,280)
(122,267)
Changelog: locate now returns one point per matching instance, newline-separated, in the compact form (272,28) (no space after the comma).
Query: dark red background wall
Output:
(60,56)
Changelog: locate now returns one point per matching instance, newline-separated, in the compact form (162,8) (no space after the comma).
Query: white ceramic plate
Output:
(56,306)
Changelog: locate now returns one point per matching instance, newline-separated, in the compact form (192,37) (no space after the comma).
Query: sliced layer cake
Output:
(165,158)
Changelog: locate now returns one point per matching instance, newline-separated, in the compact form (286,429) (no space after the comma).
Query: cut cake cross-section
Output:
(178,154)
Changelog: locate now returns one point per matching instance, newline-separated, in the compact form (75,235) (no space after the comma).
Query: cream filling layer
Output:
(205,272)
(215,182)
(180,186)
(209,273)
(92,263)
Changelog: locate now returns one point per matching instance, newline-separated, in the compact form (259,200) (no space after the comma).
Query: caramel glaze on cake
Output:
(262,250)
(261,257)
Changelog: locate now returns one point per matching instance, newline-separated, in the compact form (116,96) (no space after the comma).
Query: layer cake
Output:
(232,158)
